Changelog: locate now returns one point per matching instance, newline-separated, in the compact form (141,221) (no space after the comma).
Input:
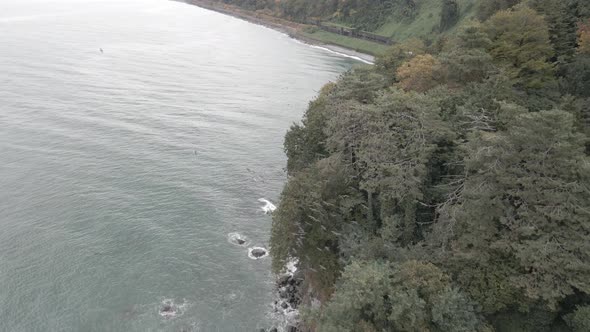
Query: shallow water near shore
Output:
(134,137)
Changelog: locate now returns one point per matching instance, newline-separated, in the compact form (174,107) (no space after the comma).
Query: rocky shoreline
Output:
(289,296)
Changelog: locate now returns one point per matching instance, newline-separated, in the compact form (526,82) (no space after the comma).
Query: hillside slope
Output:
(396,20)
(447,188)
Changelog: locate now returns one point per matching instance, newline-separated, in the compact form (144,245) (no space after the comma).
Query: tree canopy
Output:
(447,188)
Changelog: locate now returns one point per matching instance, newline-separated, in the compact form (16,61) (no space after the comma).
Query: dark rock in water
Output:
(284,305)
(274,329)
(284,280)
(240,241)
(283,293)
(262,330)
(257,252)
(291,328)
(167,308)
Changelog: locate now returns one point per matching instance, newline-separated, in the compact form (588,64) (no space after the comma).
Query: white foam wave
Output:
(291,266)
(330,50)
(268,206)
(358,58)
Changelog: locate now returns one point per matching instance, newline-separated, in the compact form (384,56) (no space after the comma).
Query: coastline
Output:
(292,29)
(290,286)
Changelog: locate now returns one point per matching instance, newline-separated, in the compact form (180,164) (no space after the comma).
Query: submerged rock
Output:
(237,239)
(168,309)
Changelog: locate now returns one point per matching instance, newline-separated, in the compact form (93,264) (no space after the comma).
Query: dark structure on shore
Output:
(353,33)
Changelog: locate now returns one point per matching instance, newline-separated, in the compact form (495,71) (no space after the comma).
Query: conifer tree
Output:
(525,202)
(562,24)
(469,61)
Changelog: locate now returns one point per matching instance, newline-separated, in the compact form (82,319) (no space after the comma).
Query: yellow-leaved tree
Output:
(584,38)
(419,73)
(520,42)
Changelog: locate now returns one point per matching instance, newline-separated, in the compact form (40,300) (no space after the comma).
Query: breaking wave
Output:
(168,309)
(268,206)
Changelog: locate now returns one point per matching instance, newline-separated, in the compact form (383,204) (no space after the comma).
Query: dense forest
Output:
(447,187)
(372,15)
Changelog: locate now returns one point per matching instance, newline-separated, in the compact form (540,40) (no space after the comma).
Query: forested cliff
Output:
(401,19)
(447,187)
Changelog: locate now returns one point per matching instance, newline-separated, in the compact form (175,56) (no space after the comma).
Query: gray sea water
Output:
(122,171)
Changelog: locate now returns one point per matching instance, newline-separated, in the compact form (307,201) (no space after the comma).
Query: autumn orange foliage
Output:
(584,38)
(419,73)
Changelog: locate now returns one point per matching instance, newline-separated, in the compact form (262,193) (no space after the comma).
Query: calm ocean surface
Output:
(123,171)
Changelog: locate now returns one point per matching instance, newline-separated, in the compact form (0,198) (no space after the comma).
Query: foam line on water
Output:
(354,57)
(329,50)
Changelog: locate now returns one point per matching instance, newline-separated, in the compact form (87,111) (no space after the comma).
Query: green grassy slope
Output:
(426,21)
(363,46)
(424,25)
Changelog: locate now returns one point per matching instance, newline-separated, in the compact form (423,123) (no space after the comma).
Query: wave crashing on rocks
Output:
(268,206)
(257,252)
(285,312)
